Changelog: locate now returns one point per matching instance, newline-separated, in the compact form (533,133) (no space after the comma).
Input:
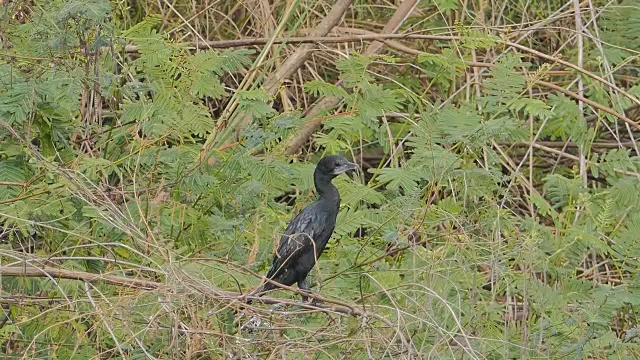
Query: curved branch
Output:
(391,26)
(50,272)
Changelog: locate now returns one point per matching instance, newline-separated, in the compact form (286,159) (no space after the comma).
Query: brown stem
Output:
(392,26)
(49,272)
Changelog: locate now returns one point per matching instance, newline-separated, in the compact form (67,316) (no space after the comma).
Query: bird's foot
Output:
(313,301)
(316,302)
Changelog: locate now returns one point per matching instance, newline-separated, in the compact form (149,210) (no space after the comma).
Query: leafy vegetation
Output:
(145,176)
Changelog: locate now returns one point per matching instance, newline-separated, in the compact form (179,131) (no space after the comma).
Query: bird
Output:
(309,231)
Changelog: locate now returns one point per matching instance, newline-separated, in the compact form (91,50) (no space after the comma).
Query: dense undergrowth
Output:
(146,170)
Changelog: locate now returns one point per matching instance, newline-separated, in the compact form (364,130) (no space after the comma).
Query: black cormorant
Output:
(309,231)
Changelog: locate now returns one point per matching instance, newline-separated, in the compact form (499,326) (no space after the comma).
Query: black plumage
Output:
(308,232)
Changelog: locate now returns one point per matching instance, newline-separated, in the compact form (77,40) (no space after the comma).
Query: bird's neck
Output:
(325,189)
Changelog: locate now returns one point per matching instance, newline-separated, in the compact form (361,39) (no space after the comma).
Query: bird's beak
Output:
(344,168)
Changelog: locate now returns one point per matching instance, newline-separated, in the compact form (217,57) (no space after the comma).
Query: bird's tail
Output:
(267,286)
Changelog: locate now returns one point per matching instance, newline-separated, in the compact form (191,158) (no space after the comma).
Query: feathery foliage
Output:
(495,216)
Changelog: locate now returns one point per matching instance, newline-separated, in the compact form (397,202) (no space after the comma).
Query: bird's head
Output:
(334,165)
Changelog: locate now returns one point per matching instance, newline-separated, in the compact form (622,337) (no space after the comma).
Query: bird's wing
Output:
(298,235)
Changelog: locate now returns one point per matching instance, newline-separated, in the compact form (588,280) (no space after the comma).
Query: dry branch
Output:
(325,103)
(295,60)
(54,273)
(589,102)
(49,272)
(224,44)
(334,305)
(328,102)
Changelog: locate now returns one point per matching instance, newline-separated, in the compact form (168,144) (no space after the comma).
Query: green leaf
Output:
(353,70)
(256,103)
(505,84)
(94,10)
(207,84)
(398,178)
(321,88)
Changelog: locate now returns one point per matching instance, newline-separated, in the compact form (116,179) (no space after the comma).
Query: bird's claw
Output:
(313,301)
(316,302)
